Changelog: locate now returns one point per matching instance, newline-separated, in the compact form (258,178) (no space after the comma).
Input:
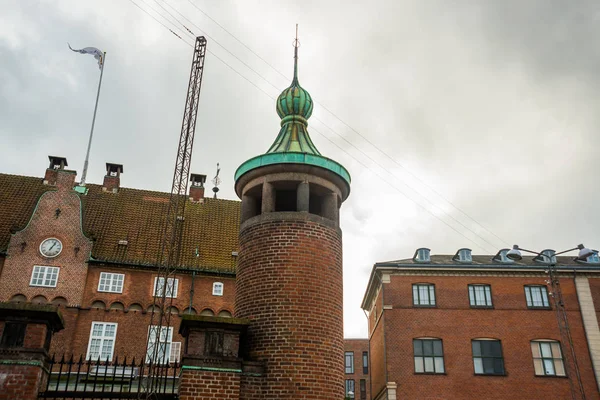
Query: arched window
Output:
(207,312)
(135,307)
(173,310)
(224,314)
(547,358)
(18,298)
(59,301)
(190,311)
(117,305)
(428,356)
(99,305)
(39,300)
(218,289)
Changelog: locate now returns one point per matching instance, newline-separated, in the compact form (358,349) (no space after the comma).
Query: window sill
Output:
(43,286)
(502,375)
(430,373)
(424,306)
(552,376)
(483,307)
(540,308)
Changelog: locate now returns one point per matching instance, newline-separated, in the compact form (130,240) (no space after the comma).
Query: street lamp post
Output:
(561,312)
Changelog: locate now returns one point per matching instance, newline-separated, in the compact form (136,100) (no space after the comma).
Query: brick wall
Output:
(290,286)
(57,215)
(21,382)
(456,323)
(358,347)
(378,368)
(197,384)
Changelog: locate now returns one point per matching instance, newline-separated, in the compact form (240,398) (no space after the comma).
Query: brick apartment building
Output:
(94,255)
(469,327)
(356,368)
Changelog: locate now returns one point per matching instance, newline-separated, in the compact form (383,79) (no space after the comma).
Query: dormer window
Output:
(422,255)
(502,258)
(594,258)
(463,256)
(546,256)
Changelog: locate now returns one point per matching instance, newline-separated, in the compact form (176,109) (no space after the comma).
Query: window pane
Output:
(415,294)
(545,350)
(437,348)
(471,296)
(429,364)
(498,366)
(488,365)
(478,364)
(528,296)
(538,366)
(423,294)
(419,364)
(432,295)
(439,365)
(476,344)
(559,367)
(535,349)
(418,347)
(548,367)
(428,347)
(488,295)
(556,353)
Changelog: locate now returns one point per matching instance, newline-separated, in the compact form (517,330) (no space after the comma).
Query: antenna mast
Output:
(168,262)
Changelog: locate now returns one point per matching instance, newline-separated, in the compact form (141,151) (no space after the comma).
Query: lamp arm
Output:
(555,254)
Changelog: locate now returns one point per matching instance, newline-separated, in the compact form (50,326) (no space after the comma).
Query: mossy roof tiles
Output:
(210,229)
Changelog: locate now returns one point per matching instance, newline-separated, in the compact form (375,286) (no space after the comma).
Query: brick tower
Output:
(289,277)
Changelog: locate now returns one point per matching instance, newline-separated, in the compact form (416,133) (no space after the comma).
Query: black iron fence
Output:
(72,378)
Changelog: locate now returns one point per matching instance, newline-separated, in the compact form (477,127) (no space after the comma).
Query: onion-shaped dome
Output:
(294,107)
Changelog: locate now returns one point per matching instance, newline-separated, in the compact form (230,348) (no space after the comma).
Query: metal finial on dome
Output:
(294,107)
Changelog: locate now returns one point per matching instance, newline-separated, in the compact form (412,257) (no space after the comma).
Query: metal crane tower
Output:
(168,262)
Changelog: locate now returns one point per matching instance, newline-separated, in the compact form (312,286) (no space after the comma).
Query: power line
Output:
(440,195)
(317,131)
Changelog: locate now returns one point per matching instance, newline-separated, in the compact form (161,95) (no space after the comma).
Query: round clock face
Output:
(51,247)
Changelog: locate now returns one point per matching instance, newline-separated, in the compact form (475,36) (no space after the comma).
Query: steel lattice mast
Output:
(168,262)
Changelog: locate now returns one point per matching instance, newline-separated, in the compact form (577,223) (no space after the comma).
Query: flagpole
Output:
(87,154)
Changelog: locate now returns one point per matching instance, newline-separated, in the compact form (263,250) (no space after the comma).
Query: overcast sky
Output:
(484,114)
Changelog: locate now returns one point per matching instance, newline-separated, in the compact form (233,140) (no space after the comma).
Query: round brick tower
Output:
(289,276)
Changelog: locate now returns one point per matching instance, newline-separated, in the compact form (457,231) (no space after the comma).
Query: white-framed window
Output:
(102,341)
(547,358)
(111,282)
(164,344)
(350,388)
(44,276)
(423,294)
(218,289)
(175,355)
(172,286)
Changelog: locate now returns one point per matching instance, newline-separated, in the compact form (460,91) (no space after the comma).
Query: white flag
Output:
(97,53)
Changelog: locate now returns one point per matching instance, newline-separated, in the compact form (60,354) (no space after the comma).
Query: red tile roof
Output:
(137,216)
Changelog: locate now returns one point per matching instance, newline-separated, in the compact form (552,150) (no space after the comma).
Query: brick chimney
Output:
(57,175)
(197,187)
(112,179)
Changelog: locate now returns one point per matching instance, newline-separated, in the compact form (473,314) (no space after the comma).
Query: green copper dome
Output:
(293,144)
(294,107)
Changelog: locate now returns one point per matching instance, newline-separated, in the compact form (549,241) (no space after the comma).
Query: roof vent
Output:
(502,258)
(234,254)
(197,187)
(422,255)
(546,257)
(112,179)
(463,256)
(123,242)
